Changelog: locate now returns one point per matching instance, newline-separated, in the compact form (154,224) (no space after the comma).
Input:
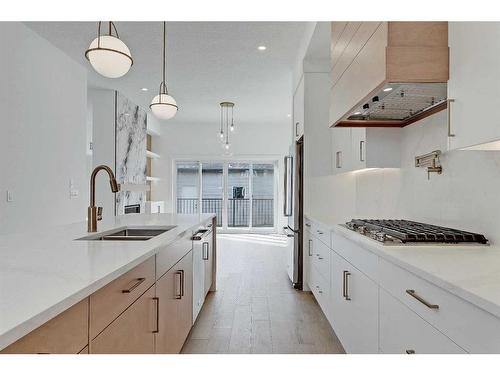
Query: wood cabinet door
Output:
(474,83)
(174,291)
(132,331)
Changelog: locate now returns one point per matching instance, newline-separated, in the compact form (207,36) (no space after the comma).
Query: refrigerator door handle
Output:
(288,188)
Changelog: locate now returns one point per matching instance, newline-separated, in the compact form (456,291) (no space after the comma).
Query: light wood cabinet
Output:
(132,331)
(298,110)
(174,291)
(110,301)
(474,85)
(354,307)
(67,333)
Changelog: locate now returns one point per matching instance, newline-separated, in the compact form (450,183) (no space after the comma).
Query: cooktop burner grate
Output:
(412,231)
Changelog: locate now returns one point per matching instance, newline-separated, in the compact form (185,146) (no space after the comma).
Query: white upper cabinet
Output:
(341,150)
(474,85)
(298,110)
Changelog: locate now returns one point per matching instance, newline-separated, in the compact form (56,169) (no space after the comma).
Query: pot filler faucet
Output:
(95,213)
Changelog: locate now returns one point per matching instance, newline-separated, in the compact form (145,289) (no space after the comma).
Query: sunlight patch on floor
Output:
(266,239)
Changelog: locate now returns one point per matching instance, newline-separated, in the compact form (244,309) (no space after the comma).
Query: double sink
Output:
(129,234)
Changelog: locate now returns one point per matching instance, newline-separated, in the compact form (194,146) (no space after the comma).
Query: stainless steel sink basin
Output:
(129,234)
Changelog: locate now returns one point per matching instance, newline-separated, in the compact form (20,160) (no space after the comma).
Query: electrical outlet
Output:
(10,196)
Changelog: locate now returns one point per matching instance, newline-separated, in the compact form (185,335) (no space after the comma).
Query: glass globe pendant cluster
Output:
(226,123)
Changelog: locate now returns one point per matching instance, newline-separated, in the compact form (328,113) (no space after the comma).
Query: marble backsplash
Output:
(130,152)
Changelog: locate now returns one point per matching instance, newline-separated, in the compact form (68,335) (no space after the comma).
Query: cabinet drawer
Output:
(132,332)
(320,257)
(363,259)
(403,331)
(321,232)
(174,252)
(320,287)
(110,301)
(470,327)
(67,333)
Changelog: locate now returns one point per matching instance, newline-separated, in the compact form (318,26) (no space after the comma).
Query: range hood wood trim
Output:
(389,123)
(416,52)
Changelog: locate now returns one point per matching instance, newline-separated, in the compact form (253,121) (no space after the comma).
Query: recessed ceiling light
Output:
(144,89)
(388,89)
(261,48)
(289,115)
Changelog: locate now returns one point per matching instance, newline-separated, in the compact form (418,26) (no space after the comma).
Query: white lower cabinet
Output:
(354,307)
(403,331)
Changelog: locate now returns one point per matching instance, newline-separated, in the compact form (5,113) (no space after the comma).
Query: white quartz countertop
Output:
(44,273)
(471,272)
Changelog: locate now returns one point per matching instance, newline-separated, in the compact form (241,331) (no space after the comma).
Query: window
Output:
(241,194)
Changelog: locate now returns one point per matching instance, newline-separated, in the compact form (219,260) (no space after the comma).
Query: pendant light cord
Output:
(164,49)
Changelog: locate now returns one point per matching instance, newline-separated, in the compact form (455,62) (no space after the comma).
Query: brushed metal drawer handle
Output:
(139,281)
(157,302)
(319,232)
(412,293)
(320,258)
(308,225)
(346,286)
(178,295)
(410,351)
(310,247)
(205,254)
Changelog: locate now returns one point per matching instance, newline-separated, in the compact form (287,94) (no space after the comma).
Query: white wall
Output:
(250,141)
(466,196)
(43,99)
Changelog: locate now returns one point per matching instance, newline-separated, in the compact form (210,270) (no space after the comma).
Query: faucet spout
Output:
(93,213)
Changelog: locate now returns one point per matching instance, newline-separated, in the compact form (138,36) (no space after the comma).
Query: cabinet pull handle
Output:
(205,250)
(320,258)
(310,247)
(346,285)
(319,232)
(338,159)
(138,282)
(450,134)
(182,283)
(308,225)
(178,295)
(412,293)
(410,351)
(296,129)
(361,150)
(157,302)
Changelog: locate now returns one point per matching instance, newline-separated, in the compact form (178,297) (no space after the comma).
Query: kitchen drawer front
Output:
(364,260)
(321,232)
(174,252)
(472,328)
(110,301)
(403,331)
(67,333)
(320,287)
(320,257)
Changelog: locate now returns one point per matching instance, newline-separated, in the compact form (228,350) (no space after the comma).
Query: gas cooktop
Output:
(406,231)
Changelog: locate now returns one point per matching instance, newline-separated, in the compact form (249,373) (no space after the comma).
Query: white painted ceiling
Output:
(207,62)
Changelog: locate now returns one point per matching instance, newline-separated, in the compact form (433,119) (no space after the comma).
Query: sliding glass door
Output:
(241,194)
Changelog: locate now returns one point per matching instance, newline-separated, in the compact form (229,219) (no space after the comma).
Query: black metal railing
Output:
(238,210)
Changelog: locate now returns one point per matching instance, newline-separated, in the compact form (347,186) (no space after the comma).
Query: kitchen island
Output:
(44,273)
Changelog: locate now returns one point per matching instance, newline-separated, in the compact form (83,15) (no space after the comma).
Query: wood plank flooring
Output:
(255,309)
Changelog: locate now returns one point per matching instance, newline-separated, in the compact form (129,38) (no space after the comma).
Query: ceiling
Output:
(207,62)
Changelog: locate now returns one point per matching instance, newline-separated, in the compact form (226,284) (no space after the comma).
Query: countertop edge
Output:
(21,330)
(365,243)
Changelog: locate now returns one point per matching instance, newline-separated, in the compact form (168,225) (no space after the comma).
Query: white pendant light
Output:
(108,55)
(163,105)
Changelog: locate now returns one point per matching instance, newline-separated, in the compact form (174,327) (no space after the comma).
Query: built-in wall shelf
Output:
(135,187)
(152,155)
(150,178)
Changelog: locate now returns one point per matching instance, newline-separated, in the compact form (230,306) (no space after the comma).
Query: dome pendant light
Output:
(108,55)
(163,105)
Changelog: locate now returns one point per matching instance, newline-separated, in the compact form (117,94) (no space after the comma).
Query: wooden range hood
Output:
(399,75)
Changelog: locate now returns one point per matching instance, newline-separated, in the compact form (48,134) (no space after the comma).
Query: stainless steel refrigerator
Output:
(293,210)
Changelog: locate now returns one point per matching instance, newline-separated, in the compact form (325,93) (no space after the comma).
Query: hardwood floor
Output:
(255,309)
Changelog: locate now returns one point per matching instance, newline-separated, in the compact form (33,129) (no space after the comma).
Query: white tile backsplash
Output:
(465,196)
